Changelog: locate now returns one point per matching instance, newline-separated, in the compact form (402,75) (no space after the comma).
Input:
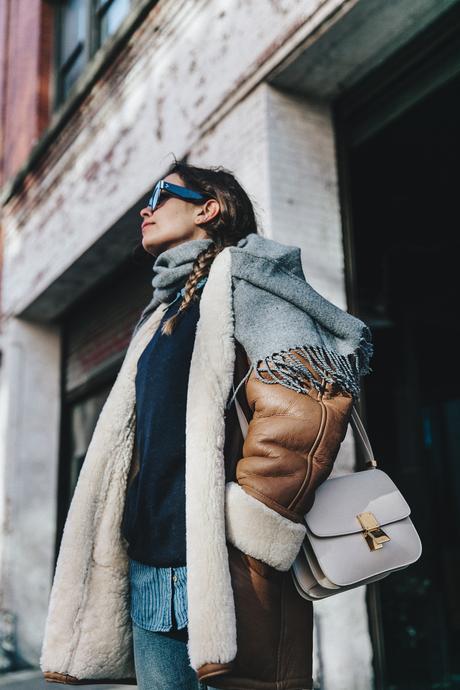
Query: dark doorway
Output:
(402,201)
(96,333)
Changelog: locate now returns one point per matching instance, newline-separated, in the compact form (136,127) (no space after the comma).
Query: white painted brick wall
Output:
(240,143)
(304,188)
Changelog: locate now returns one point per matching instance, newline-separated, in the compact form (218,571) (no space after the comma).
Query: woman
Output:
(232,317)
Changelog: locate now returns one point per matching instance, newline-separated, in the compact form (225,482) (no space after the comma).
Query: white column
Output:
(305,211)
(29,448)
(239,143)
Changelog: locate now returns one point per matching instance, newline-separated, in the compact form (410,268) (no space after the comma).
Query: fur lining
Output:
(88,632)
(211,608)
(272,538)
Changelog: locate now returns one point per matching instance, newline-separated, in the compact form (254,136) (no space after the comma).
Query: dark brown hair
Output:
(235,220)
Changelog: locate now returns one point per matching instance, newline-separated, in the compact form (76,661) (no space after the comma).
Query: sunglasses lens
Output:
(154,198)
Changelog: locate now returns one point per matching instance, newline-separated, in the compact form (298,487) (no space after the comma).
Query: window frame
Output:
(97,18)
(92,43)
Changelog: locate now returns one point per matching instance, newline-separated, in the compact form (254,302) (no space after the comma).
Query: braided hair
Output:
(200,268)
(237,218)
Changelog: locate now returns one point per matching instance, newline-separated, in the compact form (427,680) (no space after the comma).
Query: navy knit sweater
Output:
(154,514)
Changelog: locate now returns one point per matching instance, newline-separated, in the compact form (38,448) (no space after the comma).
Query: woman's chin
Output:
(152,247)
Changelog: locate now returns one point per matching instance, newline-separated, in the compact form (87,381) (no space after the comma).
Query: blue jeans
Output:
(161,661)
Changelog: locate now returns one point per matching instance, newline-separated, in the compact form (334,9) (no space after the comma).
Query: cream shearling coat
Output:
(88,628)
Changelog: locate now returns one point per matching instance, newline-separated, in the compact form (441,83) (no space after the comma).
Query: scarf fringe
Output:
(344,370)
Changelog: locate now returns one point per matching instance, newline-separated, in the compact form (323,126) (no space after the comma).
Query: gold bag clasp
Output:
(372,532)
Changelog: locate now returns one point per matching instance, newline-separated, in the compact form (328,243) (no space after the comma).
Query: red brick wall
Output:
(4,15)
(25,53)
(99,328)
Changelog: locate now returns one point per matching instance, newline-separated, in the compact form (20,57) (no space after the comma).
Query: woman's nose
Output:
(146,212)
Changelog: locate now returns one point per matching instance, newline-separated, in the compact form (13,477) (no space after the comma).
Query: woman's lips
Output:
(145,225)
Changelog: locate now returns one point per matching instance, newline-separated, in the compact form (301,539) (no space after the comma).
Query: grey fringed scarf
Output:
(276,310)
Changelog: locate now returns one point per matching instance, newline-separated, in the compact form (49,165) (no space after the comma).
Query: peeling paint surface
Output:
(177,69)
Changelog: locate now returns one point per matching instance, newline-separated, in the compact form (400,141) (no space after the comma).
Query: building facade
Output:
(339,117)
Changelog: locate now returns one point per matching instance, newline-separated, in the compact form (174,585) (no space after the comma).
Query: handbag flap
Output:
(339,500)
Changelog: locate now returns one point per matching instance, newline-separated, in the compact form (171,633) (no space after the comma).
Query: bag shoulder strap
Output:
(358,426)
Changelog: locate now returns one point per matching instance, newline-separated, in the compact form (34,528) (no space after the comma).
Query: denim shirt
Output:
(155,593)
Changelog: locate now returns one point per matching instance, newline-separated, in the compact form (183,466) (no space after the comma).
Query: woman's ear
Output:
(207,211)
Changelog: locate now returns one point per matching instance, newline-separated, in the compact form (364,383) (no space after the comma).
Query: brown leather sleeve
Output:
(292,442)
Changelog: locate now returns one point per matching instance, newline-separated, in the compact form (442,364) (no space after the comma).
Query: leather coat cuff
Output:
(259,531)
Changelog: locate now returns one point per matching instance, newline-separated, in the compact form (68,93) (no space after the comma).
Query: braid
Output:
(201,267)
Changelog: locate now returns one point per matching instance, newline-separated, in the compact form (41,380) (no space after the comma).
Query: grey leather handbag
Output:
(358,529)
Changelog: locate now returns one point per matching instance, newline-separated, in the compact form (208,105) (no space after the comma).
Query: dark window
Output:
(404,205)
(72,43)
(82,27)
(109,16)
